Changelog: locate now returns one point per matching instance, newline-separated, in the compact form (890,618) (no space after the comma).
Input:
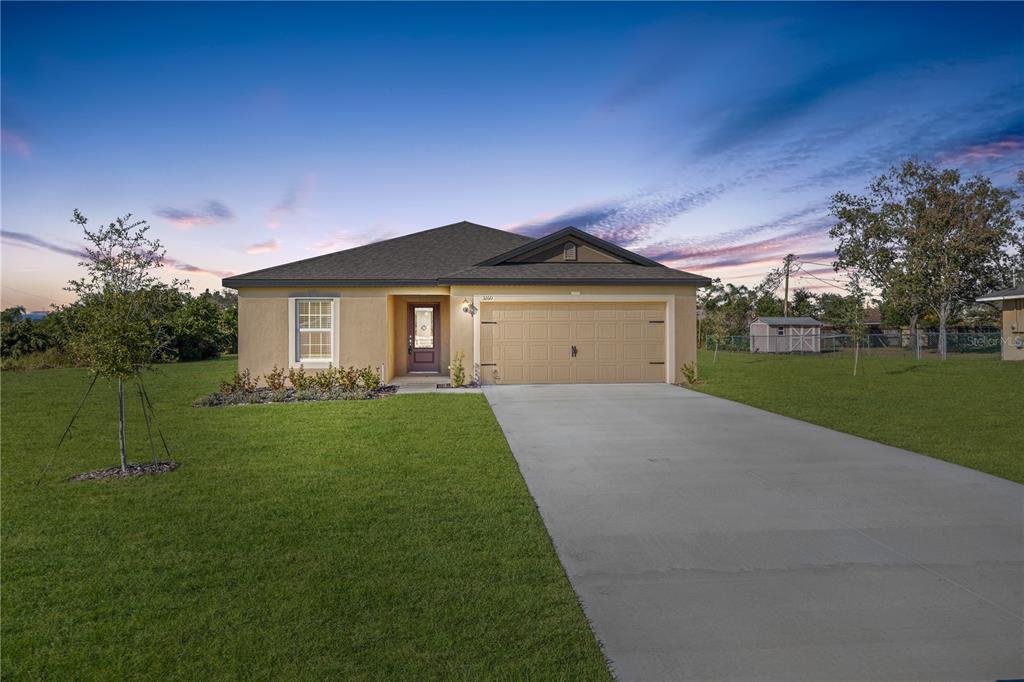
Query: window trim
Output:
(293,332)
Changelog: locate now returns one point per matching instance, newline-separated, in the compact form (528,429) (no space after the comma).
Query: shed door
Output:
(568,343)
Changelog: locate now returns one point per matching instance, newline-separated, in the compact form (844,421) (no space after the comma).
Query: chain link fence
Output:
(890,343)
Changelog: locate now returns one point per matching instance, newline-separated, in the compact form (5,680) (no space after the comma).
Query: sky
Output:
(706,136)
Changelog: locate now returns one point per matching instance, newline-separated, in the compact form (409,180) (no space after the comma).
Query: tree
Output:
(831,310)
(16,338)
(118,324)
(803,304)
(970,240)
(853,309)
(198,328)
(876,236)
(929,239)
(717,326)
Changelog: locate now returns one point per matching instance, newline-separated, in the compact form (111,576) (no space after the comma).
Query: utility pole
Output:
(787,262)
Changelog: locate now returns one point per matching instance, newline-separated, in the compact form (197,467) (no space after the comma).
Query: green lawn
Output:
(966,409)
(385,539)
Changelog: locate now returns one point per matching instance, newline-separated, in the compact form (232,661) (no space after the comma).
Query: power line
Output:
(807,274)
(29,293)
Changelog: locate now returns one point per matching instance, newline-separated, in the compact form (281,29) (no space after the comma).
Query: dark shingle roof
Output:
(1015,292)
(789,321)
(599,273)
(453,254)
(418,258)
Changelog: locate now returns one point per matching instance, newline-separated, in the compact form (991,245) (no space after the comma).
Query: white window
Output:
(781,331)
(569,251)
(314,322)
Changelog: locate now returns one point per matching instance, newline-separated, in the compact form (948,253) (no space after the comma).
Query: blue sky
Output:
(708,136)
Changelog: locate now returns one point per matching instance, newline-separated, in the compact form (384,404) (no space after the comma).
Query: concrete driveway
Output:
(710,540)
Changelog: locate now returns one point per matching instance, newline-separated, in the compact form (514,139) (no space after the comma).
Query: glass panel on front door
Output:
(424,320)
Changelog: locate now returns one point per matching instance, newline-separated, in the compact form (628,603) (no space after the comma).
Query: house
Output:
(785,335)
(1012,302)
(565,308)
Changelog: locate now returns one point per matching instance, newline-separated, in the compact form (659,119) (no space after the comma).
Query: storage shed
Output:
(785,335)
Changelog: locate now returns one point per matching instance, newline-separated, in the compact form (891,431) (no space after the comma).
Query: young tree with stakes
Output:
(119,318)
(853,315)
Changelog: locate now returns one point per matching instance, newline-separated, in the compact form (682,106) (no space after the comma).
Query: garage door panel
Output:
(633,352)
(511,331)
(561,374)
(654,332)
(607,352)
(539,352)
(586,373)
(632,372)
(586,352)
(615,342)
(583,331)
(654,372)
(560,331)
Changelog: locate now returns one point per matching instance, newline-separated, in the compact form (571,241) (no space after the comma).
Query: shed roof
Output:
(789,321)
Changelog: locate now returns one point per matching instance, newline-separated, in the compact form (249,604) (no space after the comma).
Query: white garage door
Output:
(566,343)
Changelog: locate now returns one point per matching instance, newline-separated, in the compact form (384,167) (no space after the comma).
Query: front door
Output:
(424,343)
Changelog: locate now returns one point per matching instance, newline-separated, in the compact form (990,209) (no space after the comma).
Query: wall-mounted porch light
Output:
(468,307)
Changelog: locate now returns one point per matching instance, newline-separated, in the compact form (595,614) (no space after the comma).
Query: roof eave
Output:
(235,283)
(990,299)
(700,282)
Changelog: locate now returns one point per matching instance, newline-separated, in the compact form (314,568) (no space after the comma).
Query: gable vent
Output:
(569,251)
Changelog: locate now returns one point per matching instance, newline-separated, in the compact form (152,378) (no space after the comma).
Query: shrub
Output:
(45,359)
(240,382)
(326,379)
(369,379)
(689,371)
(211,400)
(307,394)
(279,396)
(236,398)
(299,380)
(458,371)
(275,379)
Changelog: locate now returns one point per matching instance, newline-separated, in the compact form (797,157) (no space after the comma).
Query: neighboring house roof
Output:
(1003,294)
(789,321)
(461,253)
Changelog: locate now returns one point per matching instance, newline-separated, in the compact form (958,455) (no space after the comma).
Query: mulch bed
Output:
(265,396)
(134,471)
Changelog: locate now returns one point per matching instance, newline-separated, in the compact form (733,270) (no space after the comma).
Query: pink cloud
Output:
(988,151)
(294,198)
(32,242)
(343,239)
(14,143)
(268,246)
(210,212)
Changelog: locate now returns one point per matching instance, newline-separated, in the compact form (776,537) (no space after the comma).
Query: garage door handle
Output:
(574,351)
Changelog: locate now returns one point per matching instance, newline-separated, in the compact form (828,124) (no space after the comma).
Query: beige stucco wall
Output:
(372,325)
(364,326)
(262,330)
(1013,329)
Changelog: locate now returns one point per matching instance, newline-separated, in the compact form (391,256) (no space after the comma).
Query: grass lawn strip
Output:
(382,539)
(965,410)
